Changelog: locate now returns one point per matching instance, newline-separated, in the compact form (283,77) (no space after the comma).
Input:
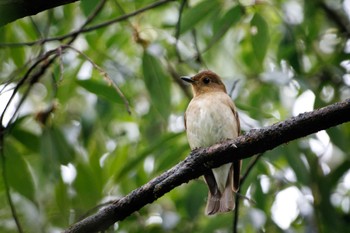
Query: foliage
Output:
(72,145)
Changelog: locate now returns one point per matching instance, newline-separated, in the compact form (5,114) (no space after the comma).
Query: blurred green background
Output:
(73,145)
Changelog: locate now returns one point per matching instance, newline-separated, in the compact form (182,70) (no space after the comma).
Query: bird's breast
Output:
(209,121)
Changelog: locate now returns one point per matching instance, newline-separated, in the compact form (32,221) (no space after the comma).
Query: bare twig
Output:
(177,29)
(89,29)
(5,179)
(89,19)
(24,79)
(59,51)
(104,74)
(178,81)
(250,166)
(201,160)
(35,77)
(198,57)
(234,85)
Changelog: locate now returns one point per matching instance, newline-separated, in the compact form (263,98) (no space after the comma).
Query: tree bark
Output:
(203,159)
(11,10)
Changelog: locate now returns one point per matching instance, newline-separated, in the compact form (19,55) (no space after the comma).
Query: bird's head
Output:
(205,82)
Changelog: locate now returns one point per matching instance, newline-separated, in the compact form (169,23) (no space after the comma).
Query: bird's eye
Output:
(206,80)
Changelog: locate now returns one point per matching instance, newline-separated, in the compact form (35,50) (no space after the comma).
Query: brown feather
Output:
(220,203)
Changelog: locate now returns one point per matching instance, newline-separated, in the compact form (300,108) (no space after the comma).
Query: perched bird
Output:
(211,117)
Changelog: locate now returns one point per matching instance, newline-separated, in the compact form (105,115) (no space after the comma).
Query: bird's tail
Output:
(219,203)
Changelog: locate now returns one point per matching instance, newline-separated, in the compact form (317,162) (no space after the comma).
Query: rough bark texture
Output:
(10,10)
(200,160)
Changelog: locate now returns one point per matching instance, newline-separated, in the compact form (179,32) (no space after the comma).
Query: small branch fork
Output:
(201,160)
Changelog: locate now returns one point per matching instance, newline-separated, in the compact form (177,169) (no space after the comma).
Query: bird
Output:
(211,117)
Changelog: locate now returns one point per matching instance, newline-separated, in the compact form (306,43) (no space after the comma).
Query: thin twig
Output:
(104,74)
(178,81)
(59,51)
(177,29)
(234,85)
(39,60)
(89,19)
(198,57)
(24,79)
(89,29)
(5,179)
(236,213)
(33,79)
(249,168)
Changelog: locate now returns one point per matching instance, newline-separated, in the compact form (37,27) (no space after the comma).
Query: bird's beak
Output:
(187,79)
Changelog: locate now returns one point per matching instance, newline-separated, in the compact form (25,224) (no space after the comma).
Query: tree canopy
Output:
(91,108)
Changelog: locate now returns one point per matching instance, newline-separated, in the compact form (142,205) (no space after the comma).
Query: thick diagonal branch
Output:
(200,160)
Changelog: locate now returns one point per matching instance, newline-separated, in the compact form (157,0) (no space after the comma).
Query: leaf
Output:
(294,159)
(18,174)
(55,150)
(197,13)
(260,37)
(62,200)
(157,83)
(339,138)
(28,139)
(100,89)
(18,56)
(88,6)
(222,25)
(87,185)
(134,162)
(192,200)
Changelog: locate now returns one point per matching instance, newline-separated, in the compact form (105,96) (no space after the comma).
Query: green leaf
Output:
(87,185)
(197,13)
(88,6)
(260,37)
(100,89)
(62,201)
(18,56)
(222,25)
(339,138)
(134,162)
(294,158)
(18,174)
(157,83)
(28,139)
(55,150)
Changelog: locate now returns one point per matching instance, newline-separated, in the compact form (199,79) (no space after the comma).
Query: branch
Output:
(89,29)
(105,75)
(6,182)
(11,10)
(203,159)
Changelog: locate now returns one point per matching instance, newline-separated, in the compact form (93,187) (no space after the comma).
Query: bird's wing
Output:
(210,180)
